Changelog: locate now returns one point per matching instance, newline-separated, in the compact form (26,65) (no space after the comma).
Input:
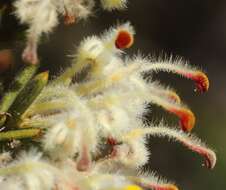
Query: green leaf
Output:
(19,134)
(19,82)
(26,97)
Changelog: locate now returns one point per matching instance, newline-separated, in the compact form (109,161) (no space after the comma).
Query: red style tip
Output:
(209,156)
(124,40)
(187,118)
(201,81)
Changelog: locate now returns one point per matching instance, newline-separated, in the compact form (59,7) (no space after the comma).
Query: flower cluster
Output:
(42,17)
(90,118)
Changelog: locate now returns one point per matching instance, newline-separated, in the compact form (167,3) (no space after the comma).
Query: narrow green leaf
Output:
(26,98)
(19,134)
(19,82)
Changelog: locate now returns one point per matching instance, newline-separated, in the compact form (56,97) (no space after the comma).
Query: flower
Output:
(93,132)
(86,125)
(42,17)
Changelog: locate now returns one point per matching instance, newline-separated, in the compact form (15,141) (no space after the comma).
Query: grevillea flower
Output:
(89,130)
(93,136)
(42,17)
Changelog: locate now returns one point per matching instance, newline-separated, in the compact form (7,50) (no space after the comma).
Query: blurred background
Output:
(192,29)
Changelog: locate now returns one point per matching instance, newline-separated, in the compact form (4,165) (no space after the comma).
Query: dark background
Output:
(192,29)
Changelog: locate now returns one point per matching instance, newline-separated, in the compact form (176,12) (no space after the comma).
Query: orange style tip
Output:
(201,82)
(187,120)
(124,40)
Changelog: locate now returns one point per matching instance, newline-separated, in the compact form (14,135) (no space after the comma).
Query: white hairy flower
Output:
(93,132)
(30,172)
(42,17)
